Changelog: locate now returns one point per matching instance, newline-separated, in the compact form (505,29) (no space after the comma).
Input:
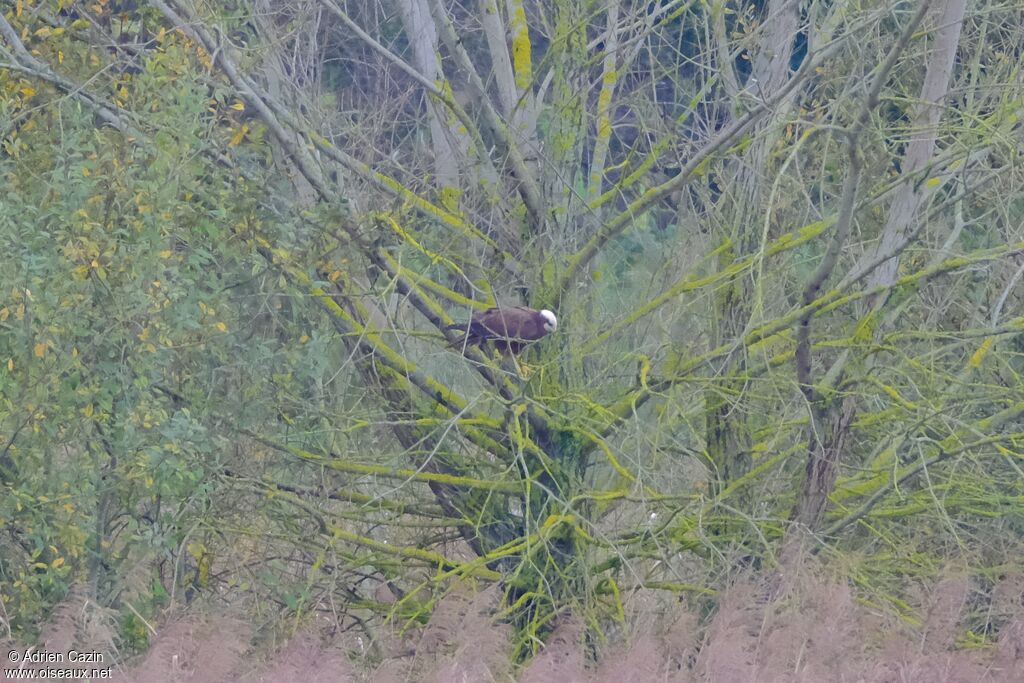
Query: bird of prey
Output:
(510,328)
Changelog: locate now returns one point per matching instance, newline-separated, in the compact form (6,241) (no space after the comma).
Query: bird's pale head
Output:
(550,321)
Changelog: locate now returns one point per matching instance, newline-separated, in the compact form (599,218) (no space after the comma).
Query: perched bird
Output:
(510,328)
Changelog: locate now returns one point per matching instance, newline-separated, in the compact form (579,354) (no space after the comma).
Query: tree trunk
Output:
(831,425)
(727,430)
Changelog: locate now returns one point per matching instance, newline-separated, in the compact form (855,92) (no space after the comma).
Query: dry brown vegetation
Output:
(799,625)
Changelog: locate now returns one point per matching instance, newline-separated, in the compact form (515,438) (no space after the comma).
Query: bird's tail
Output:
(469,333)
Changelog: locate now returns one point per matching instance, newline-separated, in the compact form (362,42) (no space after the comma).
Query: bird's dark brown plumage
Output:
(510,327)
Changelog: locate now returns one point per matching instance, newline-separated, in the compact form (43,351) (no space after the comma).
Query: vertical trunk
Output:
(727,436)
(831,428)
(512,71)
(422,33)
(105,471)
(609,77)
(281,88)
(921,147)
(727,433)
(564,141)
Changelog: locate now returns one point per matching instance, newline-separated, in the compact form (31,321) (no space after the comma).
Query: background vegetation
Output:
(783,240)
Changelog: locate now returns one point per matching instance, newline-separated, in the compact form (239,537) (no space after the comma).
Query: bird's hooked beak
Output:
(550,321)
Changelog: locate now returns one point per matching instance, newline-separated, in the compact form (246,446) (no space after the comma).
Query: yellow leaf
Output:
(978,356)
(86,172)
(57,562)
(239,135)
(166,253)
(4,313)
(40,350)
(10,365)
(18,8)
(28,91)
(222,327)
(932,182)
(303,339)
(60,57)
(88,410)
(44,31)
(238,105)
